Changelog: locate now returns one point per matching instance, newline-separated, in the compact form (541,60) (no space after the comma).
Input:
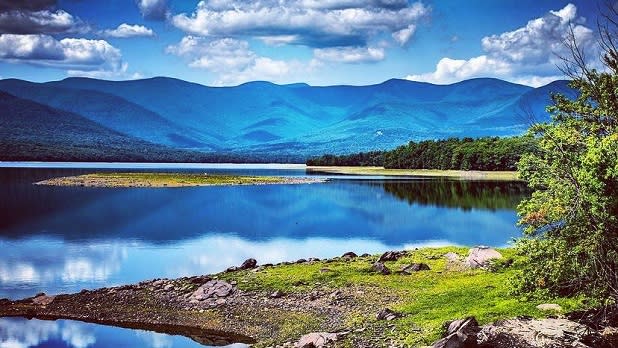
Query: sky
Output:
(319,42)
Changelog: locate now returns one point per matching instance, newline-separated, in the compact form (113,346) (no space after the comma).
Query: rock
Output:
(365,255)
(529,333)
(480,256)
(43,300)
(248,264)
(168,287)
(392,256)
(316,340)
(415,267)
(451,256)
(549,307)
(379,267)
(460,334)
(276,294)
(388,314)
(349,256)
(325,270)
(232,269)
(213,289)
(301,261)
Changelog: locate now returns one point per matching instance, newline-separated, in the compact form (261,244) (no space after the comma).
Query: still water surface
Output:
(64,239)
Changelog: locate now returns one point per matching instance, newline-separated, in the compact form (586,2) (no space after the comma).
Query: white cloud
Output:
(312,23)
(127,30)
(350,54)
(82,57)
(39,22)
(232,60)
(153,9)
(526,55)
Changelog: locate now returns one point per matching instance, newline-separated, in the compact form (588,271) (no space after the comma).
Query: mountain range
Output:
(165,119)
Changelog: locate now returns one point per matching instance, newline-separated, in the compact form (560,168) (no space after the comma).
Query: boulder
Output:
(316,340)
(379,267)
(480,257)
(388,314)
(415,267)
(460,334)
(248,264)
(392,256)
(213,289)
(42,299)
(349,256)
(276,294)
(529,333)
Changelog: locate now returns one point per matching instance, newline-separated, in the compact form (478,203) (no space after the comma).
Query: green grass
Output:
(428,299)
(435,173)
(164,180)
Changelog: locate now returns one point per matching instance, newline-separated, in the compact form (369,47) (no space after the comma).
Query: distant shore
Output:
(429,173)
(170,180)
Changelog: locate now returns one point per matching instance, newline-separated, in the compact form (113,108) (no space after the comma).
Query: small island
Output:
(139,179)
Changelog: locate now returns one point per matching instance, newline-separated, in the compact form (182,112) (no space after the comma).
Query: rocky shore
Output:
(348,301)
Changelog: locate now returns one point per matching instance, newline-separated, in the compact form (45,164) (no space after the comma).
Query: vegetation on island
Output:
(572,217)
(487,154)
(144,179)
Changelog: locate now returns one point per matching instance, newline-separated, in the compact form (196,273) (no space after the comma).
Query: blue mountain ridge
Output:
(271,121)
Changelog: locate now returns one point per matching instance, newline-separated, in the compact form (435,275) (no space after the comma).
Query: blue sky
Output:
(320,42)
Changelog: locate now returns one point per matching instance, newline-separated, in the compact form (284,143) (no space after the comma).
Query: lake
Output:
(65,239)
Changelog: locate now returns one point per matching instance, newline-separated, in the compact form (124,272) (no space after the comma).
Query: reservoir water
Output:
(65,239)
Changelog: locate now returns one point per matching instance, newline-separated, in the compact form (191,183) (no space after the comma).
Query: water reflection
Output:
(23,333)
(63,239)
(459,194)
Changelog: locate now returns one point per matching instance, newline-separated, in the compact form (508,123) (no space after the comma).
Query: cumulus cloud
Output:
(350,54)
(39,22)
(127,30)
(231,60)
(153,9)
(527,55)
(317,24)
(81,56)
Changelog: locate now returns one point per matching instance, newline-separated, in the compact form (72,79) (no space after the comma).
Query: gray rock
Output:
(392,256)
(480,257)
(213,289)
(248,264)
(460,334)
(43,300)
(415,267)
(316,340)
(276,294)
(379,267)
(349,256)
(388,314)
(451,256)
(529,333)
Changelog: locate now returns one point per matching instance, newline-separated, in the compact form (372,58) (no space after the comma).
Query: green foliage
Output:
(489,153)
(572,216)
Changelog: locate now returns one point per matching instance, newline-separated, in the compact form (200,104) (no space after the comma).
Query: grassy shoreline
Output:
(140,179)
(333,295)
(428,173)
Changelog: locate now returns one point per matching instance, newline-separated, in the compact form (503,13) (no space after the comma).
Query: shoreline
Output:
(275,305)
(161,180)
(421,173)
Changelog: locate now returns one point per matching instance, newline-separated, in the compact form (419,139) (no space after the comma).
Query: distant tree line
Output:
(488,153)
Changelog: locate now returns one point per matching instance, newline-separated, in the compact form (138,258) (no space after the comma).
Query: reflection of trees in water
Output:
(459,194)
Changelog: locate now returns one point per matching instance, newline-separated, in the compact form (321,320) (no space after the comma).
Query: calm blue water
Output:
(64,239)
(19,332)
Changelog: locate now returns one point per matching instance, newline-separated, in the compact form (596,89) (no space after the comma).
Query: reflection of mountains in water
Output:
(465,195)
